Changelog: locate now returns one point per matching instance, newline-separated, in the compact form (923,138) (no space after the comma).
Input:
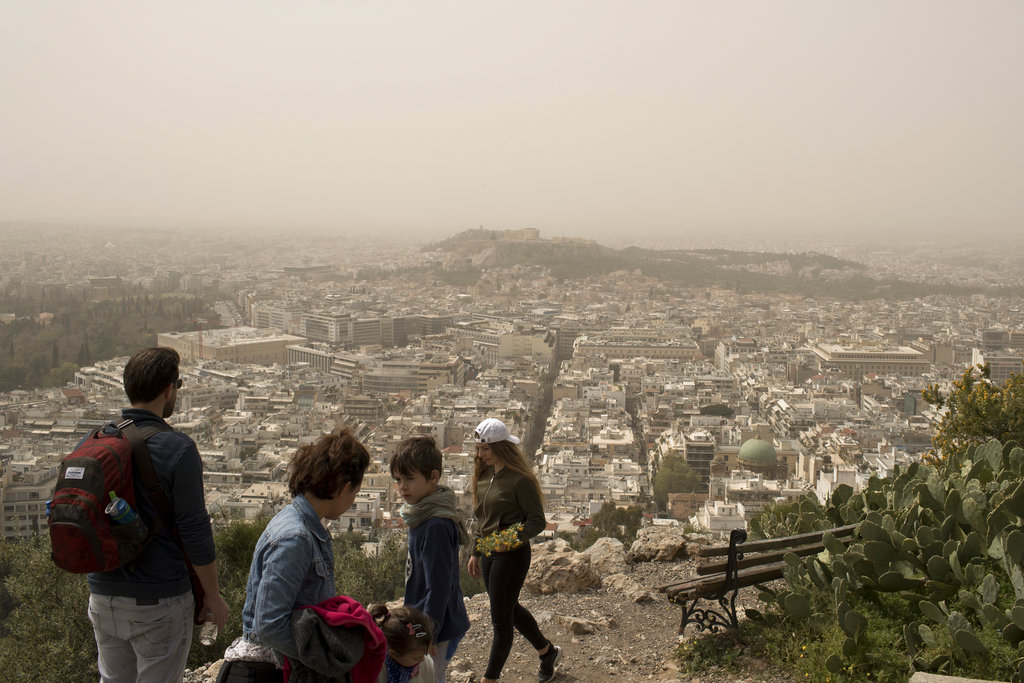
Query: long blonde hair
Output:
(511,457)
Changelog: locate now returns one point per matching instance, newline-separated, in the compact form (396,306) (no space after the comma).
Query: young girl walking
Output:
(509,512)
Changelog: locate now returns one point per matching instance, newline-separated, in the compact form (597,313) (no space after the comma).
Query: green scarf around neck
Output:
(440,503)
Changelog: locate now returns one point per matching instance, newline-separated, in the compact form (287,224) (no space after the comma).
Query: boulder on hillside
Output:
(659,543)
(585,626)
(557,568)
(608,556)
(623,585)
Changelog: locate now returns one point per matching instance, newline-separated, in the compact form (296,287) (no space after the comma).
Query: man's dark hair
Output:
(416,454)
(326,465)
(149,372)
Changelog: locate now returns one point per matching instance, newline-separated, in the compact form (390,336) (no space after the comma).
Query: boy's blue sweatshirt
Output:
(432,577)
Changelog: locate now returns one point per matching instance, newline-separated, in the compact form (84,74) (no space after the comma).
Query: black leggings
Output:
(504,574)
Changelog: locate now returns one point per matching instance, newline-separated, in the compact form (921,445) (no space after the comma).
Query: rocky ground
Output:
(626,640)
(610,631)
(631,641)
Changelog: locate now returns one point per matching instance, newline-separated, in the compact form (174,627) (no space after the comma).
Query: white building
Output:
(720,518)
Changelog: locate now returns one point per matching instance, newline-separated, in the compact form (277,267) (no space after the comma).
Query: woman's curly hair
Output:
(326,465)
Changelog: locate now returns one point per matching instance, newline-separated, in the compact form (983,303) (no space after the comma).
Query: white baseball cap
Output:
(492,430)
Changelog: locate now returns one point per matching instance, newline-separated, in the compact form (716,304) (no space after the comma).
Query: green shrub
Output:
(370,578)
(47,635)
(711,651)
(236,543)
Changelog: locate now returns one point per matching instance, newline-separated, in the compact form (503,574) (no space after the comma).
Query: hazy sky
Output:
(583,118)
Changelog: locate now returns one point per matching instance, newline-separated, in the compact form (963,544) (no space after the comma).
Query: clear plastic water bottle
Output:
(208,633)
(123,515)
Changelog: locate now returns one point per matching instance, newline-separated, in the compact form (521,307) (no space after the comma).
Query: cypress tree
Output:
(83,353)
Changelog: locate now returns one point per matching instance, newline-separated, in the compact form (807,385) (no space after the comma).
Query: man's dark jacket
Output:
(160,572)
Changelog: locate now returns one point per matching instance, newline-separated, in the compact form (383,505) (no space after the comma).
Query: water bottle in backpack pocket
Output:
(127,527)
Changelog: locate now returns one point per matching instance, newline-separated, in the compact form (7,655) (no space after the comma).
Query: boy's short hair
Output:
(416,454)
(326,465)
(149,372)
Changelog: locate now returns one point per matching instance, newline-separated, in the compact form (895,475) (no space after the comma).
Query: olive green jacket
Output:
(505,498)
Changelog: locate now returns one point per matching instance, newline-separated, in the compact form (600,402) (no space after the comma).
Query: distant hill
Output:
(804,274)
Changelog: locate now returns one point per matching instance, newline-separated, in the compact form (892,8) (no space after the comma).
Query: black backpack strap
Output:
(137,438)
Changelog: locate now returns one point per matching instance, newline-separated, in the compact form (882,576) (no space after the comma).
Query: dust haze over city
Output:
(676,123)
(701,256)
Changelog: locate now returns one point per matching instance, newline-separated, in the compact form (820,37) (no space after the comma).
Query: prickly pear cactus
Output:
(947,539)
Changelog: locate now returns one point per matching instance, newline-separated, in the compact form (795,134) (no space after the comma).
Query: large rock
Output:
(557,568)
(659,543)
(585,626)
(623,585)
(608,556)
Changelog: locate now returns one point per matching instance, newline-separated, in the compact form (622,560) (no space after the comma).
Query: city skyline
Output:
(688,123)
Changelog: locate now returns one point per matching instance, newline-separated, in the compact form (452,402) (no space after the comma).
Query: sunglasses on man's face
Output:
(178,383)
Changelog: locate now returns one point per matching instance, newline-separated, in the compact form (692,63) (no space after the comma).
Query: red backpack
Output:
(81,533)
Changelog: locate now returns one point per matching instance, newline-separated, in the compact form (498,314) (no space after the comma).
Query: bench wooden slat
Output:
(775,543)
(765,558)
(712,585)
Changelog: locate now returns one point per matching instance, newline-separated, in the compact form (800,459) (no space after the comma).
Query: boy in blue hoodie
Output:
(436,531)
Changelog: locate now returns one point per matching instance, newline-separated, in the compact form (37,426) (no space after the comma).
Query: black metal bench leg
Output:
(686,612)
(728,605)
(710,618)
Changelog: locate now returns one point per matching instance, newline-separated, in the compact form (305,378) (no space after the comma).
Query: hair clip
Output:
(414,630)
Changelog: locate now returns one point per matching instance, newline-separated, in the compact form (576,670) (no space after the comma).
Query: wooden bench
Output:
(724,569)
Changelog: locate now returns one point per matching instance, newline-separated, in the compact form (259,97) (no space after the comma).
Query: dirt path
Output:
(635,646)
(638,647)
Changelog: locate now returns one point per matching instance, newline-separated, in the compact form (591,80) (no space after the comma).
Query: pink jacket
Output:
(342,610)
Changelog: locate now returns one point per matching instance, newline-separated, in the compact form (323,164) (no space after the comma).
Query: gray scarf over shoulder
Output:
(440,503)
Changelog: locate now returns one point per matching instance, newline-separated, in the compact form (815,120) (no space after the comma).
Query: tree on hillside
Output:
(720,409)
(674,476)
(977,410)
(236,544)
(611,521)
(46,635)
(379,577)
(39,354)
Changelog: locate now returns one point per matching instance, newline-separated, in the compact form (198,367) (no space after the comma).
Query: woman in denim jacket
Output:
(293,564)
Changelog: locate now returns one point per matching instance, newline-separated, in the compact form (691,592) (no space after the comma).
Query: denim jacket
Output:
(293,565)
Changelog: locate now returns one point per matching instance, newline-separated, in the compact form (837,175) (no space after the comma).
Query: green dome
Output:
(757,452)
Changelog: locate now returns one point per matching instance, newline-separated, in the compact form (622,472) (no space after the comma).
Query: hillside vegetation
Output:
(804,274)
(45,350)
(933,581)
(45,633)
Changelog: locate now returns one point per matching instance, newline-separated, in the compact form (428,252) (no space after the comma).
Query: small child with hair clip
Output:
(409,635)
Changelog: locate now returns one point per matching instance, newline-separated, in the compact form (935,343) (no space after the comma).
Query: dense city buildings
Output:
(764,396)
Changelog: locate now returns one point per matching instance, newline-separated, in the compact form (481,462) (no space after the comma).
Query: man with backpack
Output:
(142,612)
